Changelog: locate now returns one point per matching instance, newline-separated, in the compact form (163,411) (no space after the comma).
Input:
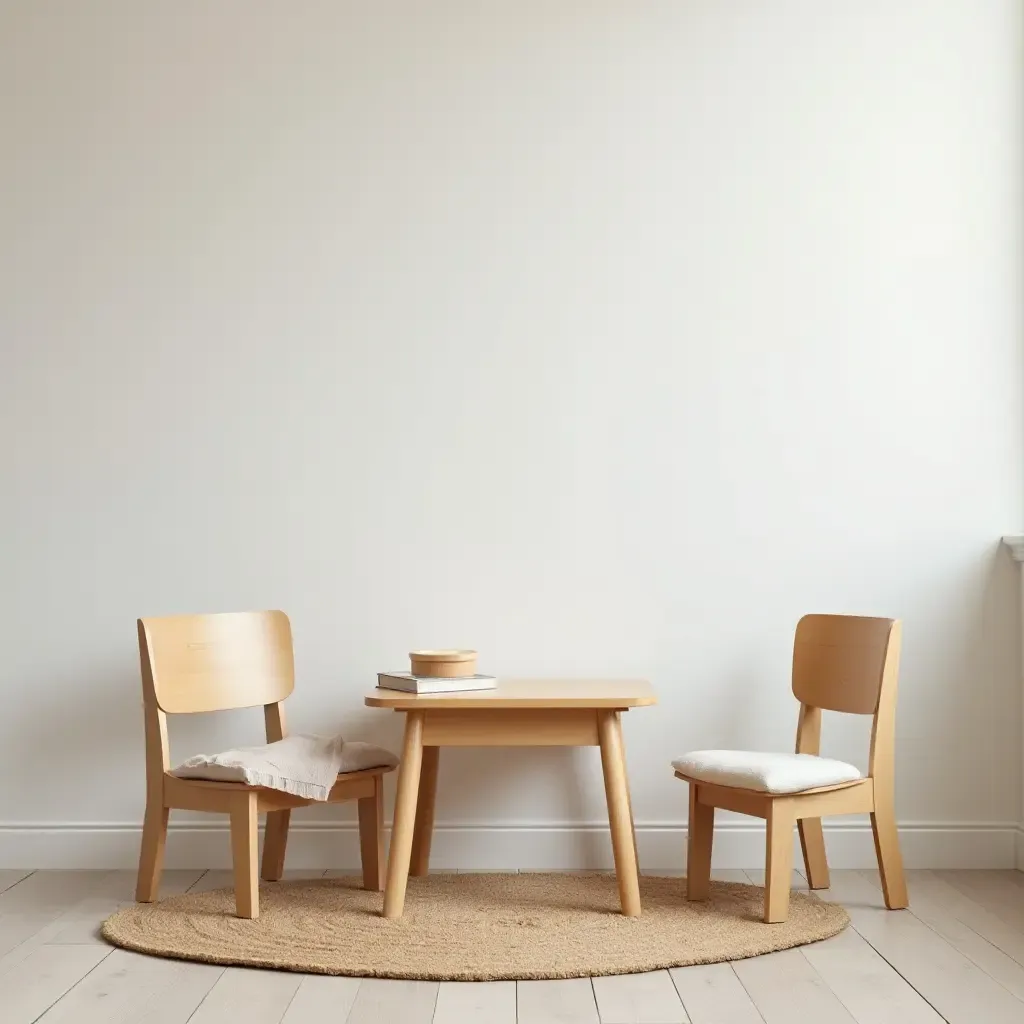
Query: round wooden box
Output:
(443,664)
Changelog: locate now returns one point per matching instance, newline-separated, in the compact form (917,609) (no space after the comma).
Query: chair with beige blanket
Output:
(195,663)
(840,663)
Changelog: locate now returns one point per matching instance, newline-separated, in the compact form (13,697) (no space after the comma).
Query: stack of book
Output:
(409,683)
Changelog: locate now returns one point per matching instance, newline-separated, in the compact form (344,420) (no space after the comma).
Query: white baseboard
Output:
(661,846)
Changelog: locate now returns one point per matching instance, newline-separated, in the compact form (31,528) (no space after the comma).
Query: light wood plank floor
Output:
(956,956)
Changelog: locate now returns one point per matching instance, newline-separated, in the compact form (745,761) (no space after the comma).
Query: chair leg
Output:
(245,855)
(890,860)
(371,837)
(700,836)
(275,841)
(812,843)
(151,856)
(779,861)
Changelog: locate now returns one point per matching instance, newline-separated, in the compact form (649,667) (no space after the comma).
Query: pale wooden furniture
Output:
(193,663)
(523,713)
(840,663)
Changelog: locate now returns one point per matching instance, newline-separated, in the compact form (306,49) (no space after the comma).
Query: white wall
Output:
(1015,544)
(606,338)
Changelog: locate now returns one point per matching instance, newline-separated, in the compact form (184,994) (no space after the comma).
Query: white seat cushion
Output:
(766,773)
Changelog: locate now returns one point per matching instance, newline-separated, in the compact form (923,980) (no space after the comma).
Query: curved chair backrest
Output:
(193,663)
(845,662)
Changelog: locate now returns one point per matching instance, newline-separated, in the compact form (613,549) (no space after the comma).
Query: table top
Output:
(526,693)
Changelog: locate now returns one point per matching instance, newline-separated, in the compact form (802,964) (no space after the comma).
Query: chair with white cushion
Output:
(840,663)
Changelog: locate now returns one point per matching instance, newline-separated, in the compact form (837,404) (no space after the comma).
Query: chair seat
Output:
(303,766)
(207,795)
(235,787)
(765,773)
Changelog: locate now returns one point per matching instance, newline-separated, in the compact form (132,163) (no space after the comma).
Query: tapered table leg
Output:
(423,831)
(619,818)
(405,815)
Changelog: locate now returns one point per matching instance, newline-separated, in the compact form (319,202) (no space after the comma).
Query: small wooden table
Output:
(518,713)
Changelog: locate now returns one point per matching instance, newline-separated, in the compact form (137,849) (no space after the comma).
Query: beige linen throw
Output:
(305,766)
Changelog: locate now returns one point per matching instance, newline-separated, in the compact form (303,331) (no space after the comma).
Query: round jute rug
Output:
(473,927)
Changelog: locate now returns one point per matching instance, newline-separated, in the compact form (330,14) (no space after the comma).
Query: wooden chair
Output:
(840,663)
(193,663)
